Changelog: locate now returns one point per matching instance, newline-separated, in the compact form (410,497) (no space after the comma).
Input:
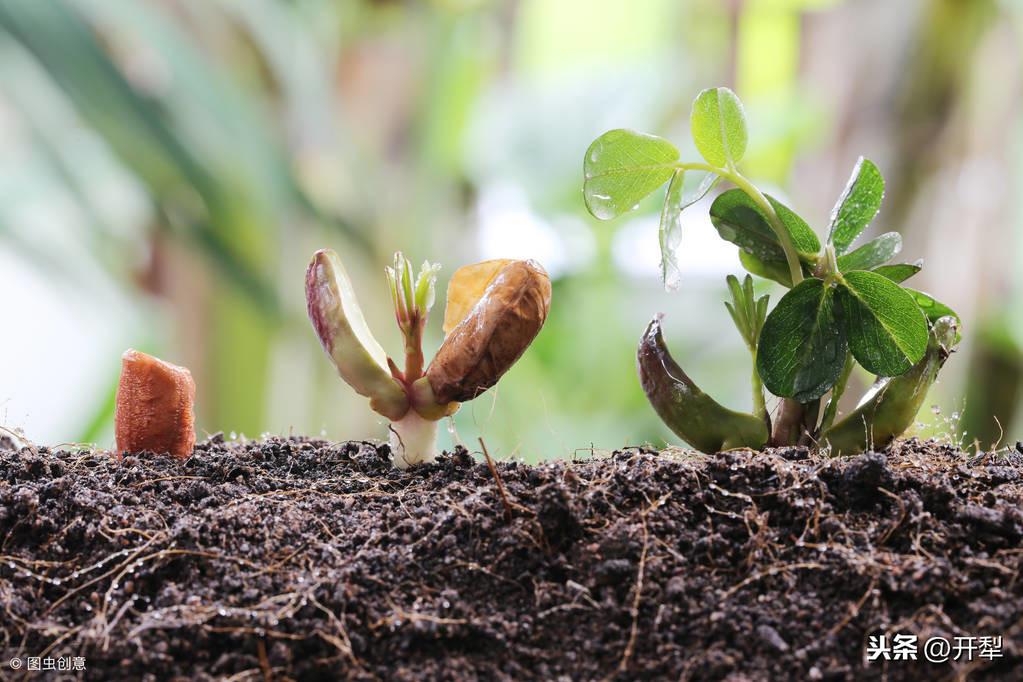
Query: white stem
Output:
(413,440)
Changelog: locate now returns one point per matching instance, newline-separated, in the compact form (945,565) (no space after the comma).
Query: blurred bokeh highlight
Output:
(169,166)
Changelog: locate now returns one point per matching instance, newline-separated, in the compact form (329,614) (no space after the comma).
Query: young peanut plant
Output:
(844,305)
(494,311)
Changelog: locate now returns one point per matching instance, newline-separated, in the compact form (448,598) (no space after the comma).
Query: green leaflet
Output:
(740,221)
(857,206)
(621,168)
(899,272)
(892,404)
(803,343)
(718,126)
(934,310)
(775,270)
(670,234)
(877,251)
(747,311)
(886,330)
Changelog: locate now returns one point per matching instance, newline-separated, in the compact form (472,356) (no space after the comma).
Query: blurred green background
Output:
(170,165)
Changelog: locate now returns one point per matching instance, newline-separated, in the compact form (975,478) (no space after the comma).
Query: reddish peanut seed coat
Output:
(154,407)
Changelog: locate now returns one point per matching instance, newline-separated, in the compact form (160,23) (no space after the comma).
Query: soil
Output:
(305,559)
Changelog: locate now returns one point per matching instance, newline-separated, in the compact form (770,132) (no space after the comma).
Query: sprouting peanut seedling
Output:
(494,311)
(843,306)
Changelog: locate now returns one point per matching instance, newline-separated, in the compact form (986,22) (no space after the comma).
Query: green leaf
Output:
(774,270)
(877,251)
(718,126)
(803,238)
(891,405)
(887,332)
(857,206)
(426,286)
(899,272)
(803,345)
(934,310)
(740,221)
(747,311)
(677,200)
(621,168)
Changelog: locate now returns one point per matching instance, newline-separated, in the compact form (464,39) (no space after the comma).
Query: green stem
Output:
(740,181)
(414,359)
(759,406)
(836,394)
(791,255)
(696,165)
(791,419)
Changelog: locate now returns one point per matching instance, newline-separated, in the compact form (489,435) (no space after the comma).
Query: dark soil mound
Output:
(314,560)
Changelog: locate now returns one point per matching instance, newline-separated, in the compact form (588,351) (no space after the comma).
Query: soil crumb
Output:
(306,559)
